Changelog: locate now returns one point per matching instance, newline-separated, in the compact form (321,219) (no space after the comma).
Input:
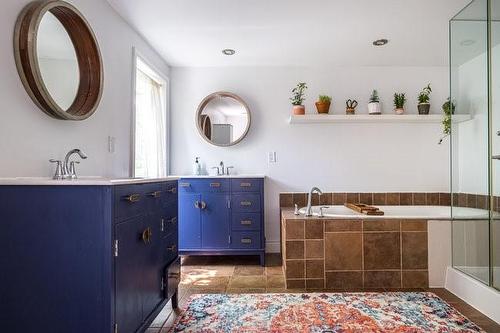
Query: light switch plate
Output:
(111,144)
(272,157)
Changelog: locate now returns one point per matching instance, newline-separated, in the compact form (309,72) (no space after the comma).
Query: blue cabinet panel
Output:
(215,221)
(84,262)
(221,216)
(246,221)
(128,271)
(190,215)
(246,202)
(246,240)
(197,185)
(246,185)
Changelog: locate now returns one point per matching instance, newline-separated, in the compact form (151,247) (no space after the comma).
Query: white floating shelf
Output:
(365,118)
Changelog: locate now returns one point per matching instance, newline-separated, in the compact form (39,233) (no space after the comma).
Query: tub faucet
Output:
(309,209)
(69,169)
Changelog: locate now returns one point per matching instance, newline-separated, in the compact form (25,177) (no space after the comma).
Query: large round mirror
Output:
(223,119)
(58,59)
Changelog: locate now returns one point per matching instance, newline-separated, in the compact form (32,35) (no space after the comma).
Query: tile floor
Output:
(242,274)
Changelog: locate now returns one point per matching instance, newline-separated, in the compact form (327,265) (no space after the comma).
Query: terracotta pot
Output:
(374,108)
(350,111)
(299,110)
(399,110)
(424,108)
(323,107)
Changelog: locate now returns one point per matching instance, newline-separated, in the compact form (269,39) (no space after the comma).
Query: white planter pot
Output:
(374,108)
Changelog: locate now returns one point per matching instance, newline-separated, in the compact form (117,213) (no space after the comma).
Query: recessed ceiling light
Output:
(467,42)
(380,42)
(228,52)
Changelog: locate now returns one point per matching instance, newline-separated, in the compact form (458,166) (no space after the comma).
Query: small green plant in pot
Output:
(298,98)
(399,103)
(448,110)
(423,100)
(374,103)
(323,104)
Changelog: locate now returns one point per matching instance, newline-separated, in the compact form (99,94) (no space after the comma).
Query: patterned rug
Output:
(322,312)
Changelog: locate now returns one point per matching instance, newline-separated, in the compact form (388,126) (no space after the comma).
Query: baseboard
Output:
(485,299)
(273,246)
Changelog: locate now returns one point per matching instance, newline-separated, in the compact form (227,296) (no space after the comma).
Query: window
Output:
(150,122)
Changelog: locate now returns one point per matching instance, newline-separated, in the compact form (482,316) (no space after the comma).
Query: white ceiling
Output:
(294,33)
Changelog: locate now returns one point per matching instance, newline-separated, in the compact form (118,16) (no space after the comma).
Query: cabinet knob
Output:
(246,203)
(214,184)
(173,190)
(172,248)
(245,184)
(203,205)
(246,222)
(197,204)
(184,185)
(155,194)
(246,241)
(133,198)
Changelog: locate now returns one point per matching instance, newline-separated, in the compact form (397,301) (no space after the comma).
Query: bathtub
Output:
(403,212)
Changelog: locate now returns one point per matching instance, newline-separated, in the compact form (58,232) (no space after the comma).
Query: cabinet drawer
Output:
(171,192)
(153,196)
(246,221)
(169,225)
(245,240)
(170,248)
(129,201)
(190,185)
(246,202)
(246,185)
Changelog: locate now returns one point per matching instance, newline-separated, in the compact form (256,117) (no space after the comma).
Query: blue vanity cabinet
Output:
(221,216)
(92,258)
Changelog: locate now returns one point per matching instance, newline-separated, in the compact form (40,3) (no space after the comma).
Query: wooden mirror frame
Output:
(204,103)
(87,52)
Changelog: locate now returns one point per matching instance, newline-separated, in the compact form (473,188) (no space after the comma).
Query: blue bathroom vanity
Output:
(87,255)
(222,216)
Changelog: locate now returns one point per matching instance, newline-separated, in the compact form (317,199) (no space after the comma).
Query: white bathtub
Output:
(403,212)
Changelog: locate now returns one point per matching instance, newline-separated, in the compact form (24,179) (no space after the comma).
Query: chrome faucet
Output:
(221,164)
(309,209)
(69,170)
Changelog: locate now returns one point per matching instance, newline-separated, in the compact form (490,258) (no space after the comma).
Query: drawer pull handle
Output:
(246,203)
(155,194)
(245,184)
(172,248)
(184,185)
(246,241)
(246,222)
(133,198)
(146,235)
(214,184)
(173,190)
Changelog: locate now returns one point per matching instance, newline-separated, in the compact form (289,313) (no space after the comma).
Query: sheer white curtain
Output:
(150,128)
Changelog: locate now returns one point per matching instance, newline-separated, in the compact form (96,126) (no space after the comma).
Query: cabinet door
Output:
(128,274)
(215,221)
(152,265)
(189,221)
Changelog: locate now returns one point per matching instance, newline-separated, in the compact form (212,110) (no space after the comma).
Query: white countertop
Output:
(81,181)
(223,176)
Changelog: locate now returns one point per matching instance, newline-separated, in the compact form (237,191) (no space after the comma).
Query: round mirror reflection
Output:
(57,61)
(223,119)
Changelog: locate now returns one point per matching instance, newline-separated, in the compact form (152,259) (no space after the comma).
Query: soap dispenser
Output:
(197,167)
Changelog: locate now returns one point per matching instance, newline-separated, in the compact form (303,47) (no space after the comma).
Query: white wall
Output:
(335,157)
(28,137)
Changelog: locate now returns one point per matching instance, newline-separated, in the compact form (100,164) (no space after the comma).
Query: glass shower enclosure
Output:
(475,144)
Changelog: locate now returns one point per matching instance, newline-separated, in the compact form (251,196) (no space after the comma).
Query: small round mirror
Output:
(57,61)
(223,119)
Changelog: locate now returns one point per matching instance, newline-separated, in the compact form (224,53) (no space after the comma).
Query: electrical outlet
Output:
(111,144)
(272,157)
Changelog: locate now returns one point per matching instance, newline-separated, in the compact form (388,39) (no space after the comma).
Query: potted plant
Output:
(423,100)
(298,98)
(399,103)
(374,104)
(323,104)
(448,110)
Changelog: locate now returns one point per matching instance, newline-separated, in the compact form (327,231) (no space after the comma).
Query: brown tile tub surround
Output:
(344,254)
(392,199)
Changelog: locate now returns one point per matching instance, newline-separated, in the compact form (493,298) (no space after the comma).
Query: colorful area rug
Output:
(322,312)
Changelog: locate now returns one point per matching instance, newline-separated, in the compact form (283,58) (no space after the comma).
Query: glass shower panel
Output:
(470,140)
(495,142)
